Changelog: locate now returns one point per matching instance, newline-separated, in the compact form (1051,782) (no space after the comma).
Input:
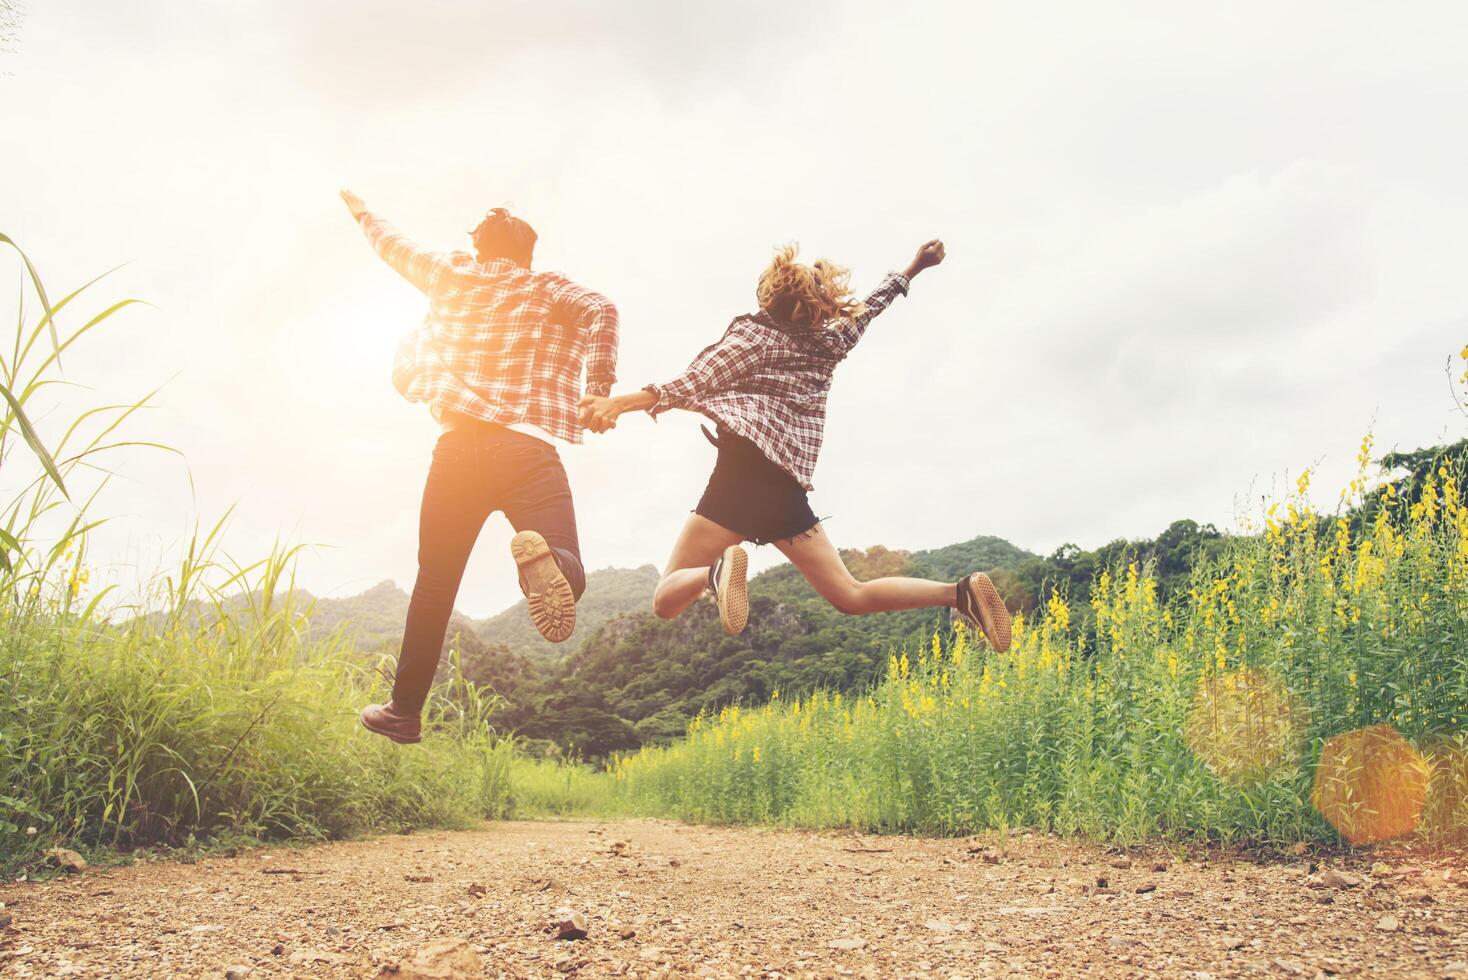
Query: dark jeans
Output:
(477,470)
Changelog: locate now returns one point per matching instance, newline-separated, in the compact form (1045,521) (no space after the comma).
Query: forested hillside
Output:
(609,592)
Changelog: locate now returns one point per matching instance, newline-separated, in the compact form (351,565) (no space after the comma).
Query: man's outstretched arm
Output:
(418,265)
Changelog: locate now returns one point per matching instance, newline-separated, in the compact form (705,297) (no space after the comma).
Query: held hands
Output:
(354,203)
(598,414)
(929,254)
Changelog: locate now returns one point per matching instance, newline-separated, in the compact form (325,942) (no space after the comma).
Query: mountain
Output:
(610,592)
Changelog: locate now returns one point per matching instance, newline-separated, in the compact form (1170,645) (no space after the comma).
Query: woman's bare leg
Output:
(817,559)
(699,545)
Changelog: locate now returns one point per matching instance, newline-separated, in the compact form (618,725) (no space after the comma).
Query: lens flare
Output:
(1371,784)
(1245,724)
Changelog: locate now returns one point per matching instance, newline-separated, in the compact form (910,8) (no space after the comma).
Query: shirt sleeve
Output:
(597,317)
(423,268)
(894,284)
(717,367)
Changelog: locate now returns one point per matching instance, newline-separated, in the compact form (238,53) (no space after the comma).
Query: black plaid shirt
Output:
(768,382)
(499,343)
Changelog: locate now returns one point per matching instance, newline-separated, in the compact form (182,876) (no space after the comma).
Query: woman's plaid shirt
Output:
(499,343)
(768,382)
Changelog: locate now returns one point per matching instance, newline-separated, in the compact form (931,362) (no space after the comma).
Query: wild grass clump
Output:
(1201,718)
(167,727)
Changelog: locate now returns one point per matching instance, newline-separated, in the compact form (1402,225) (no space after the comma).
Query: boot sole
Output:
(391,736)
(552,605)
(993,616)
(734,590)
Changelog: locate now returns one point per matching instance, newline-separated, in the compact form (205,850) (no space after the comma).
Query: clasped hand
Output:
(597,413)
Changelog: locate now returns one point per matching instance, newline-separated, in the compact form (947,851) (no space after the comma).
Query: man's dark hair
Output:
(502,236)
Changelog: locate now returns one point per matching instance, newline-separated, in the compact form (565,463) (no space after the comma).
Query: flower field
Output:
(1311,684)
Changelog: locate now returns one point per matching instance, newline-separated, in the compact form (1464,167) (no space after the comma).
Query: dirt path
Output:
(664,899)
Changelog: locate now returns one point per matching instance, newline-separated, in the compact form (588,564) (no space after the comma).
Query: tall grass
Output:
(1200,718)
(191,714)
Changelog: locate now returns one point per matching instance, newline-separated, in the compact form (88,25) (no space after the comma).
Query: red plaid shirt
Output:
(499,343)
(768,382)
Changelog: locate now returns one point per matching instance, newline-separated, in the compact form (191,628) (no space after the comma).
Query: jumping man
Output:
(498,360)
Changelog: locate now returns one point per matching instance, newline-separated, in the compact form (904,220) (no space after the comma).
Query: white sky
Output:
(1192,248)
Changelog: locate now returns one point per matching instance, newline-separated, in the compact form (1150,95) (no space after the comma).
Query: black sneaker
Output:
(728,581)
(980,605)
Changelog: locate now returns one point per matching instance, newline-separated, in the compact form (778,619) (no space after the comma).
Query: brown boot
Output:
(385,720)
(552,603)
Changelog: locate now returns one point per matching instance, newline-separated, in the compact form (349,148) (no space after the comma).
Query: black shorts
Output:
(751,495)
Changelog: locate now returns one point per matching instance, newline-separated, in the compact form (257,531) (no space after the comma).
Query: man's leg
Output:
(546,548)
(454,510)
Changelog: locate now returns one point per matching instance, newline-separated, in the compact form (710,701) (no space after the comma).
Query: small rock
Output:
(1159,866)
(1456,970)
(1120,942)
(67,860)
(995,948)
(1387,923)
(442,959)
(418,879)
(938,925)
(674,862)
(848,944)
(1331,878)
(1233,942)
(476,890)
(627,932)
(277,950)
(1102,881)
(989,857)
(1435,929)
(238,972)
(570,924)
(1145,887)
(5,920)
(1121,863)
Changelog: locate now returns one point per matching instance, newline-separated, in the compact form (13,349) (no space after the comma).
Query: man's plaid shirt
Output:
(768,382)
(499,343)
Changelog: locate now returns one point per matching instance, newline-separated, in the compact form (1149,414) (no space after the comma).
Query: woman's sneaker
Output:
(979,603)
(552,603)
(728,581)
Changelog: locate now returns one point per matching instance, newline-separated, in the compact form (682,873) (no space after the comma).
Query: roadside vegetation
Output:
(1310,682)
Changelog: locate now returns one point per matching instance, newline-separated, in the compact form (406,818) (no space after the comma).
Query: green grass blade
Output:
(28,432)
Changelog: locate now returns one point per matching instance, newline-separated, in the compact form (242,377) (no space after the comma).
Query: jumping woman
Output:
(764,384)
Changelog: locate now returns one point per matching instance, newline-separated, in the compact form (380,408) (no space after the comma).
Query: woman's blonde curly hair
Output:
(810,297)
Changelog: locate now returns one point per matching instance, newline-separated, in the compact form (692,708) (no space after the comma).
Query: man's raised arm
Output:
(418,265)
